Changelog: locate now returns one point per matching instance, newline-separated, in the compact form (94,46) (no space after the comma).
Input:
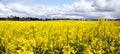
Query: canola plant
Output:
(60,37)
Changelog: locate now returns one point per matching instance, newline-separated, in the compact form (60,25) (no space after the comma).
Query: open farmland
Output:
(60,37)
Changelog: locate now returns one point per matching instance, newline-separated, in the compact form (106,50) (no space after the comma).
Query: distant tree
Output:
(16,18)
(11,17)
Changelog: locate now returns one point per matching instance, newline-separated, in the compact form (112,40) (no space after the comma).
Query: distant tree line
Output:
(16,18)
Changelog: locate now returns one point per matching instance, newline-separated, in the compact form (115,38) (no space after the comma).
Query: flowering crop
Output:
(60,37)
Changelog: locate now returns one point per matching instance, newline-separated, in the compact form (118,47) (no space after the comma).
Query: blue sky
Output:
(53,2)
(61,8)
(41,2)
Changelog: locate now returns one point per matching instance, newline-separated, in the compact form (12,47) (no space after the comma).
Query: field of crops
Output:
(60,37)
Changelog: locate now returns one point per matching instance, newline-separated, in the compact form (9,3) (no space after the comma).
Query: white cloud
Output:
(83,5)
(111,6)
(79,9)
(74,17)
(3,8)
(1,14)
(106,5)
(15,7)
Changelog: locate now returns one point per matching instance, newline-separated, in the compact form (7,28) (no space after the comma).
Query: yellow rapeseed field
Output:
(60,37)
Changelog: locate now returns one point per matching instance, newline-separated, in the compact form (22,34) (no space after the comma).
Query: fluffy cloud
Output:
(79,9)
(107,5)
(82,5)
(3,8)
(110,6)
(1,14)
(19,8)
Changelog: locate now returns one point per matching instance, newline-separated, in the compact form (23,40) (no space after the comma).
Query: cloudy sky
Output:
(61,8)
